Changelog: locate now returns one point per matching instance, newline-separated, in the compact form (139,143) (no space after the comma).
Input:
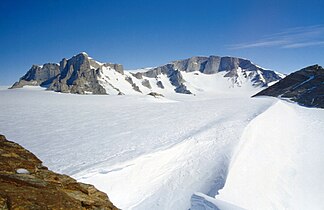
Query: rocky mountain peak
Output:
(75,75)
(305,87)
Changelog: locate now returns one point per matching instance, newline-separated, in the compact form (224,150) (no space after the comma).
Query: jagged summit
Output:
(82,74)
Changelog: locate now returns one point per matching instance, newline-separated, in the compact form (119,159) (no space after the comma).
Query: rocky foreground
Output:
(26,184)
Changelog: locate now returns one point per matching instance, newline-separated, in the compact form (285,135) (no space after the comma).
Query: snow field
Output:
(176,152)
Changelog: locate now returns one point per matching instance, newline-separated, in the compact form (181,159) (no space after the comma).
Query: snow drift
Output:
(278,163)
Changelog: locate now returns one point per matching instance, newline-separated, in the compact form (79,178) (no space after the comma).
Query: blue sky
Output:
(282,35)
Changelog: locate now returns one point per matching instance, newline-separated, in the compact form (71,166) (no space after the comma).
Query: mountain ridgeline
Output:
(83,75)
(306,87)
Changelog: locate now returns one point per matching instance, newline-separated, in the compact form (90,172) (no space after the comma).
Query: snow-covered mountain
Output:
(236,71)
(305,87)
(83,75)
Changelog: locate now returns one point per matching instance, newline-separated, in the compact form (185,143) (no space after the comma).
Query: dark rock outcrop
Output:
(306,87)
(155,95)
(26,184)
(160,84)
(135,87)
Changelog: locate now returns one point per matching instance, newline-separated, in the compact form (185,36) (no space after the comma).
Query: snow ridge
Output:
(277,164)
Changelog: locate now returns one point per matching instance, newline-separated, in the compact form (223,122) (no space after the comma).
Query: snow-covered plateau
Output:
(207,151)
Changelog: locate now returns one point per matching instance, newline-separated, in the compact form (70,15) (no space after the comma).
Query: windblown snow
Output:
(279,163)
(176,152)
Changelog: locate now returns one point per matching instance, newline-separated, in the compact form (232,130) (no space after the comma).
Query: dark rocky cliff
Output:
(306,87)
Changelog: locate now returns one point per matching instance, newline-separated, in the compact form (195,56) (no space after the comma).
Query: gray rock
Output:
(146,83)
(182,89)
(39,75)
(160,84)
(166,69)
(155,95)
(118,67)
(177,80)
(212,65)
(172,73)
(191,64)
(77,76)
(135,87)
(138,75)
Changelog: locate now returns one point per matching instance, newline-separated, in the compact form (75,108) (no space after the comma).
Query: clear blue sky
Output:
(283,35)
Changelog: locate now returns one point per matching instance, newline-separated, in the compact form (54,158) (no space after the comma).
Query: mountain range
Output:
(82,74)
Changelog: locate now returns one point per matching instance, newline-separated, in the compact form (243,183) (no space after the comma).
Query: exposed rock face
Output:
(38,75)
(26,184)
(160,84)
(78,74)
(135,87)
(173,74)
(306,87)
(146,83)
(138,75)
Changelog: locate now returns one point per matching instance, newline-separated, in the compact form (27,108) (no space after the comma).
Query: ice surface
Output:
(155,153)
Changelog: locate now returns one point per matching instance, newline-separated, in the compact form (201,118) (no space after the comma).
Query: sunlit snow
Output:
(156,153)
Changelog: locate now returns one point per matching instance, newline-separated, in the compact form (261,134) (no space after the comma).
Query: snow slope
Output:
(155,153)
(144,152)
(280,161)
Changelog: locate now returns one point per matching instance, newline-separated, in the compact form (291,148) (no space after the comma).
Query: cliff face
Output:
(38,75)
(26,184)
(78,75)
